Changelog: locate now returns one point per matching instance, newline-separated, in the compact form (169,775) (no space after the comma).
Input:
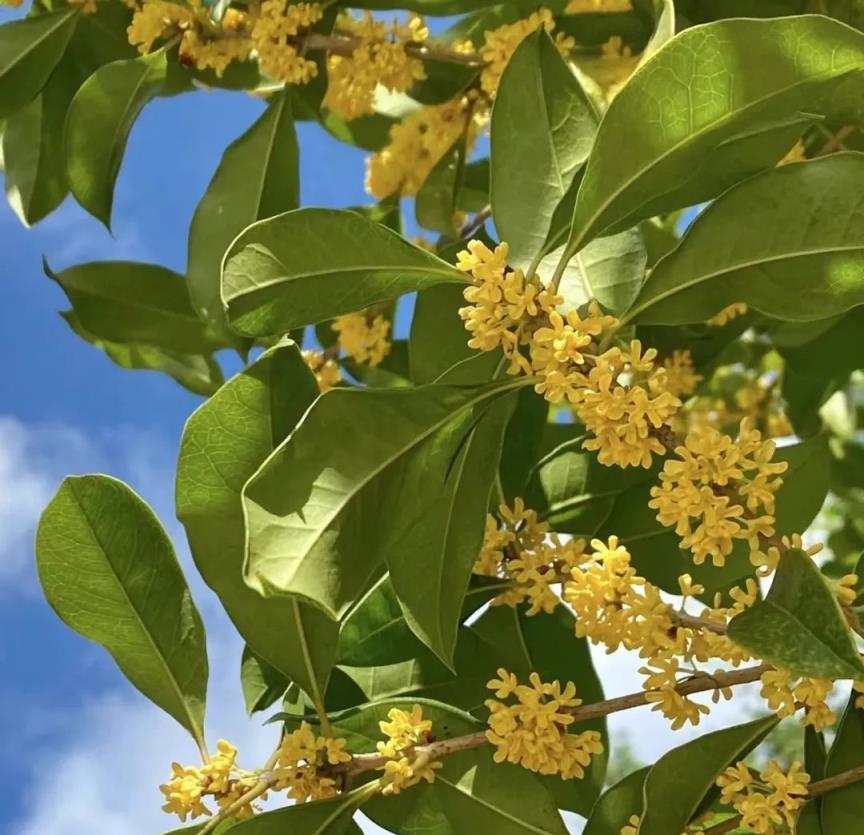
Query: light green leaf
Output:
(543,126)
(615,807)
(714,106)
(223,444)
(321,516)
(799,262)
(109,571)
(196,372)
(262,683)
(682,782)
(29,51)
(842,809)
(98,124)
(435,205)
(310,265)
(433,555)
(257,177)
(799,625)
(133,303)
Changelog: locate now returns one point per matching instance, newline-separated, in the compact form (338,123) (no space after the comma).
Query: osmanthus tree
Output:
(418,538)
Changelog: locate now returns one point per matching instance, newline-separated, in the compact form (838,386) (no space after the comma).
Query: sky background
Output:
(68,719)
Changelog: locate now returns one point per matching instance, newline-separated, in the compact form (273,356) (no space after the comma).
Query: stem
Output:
(559,270)
(437,750)
(476,222)
(835,143)
(344,44)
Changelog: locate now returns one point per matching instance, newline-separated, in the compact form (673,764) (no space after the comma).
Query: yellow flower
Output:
(607,6)
(155,20)
(727,314)
(184,793)
(326,371)
(301,754)
(364,339)
(632,827)
(274,28)
(769,806)
(680,376)
(405,767)
(736,780)
(532,729)
(404,730)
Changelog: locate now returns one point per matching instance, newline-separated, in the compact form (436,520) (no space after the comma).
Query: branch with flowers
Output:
(613,406)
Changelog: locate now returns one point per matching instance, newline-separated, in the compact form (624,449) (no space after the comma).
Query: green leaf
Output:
(257,177)
(842,809)
(805,484)
(98,124)
(432,557)
(543,126)
(109,571)
(615,807)
(223,444)
(310,265)
(262,683)
(198,373)
(799,625)
(716,104)
(523,443)
(800,262)
(29,51)
(436,201)
(681,783)
(321,517)
(133,303)
(471,793)
(815,760)
(439,341)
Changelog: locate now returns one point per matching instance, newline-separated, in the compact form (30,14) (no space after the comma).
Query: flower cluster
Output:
(720,489)
(405,767)
(622,395)
(269,30)
(785,693)
(727,314)
(524,551)
(500,44)
(605,6)
(326,370)
(417,143)
(531,729)
(681,377)
(378,57)
(768,805)
(364,338)
(219,778)
(302,762)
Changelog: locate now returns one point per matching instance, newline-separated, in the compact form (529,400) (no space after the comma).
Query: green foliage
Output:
(843,808)
(109,571)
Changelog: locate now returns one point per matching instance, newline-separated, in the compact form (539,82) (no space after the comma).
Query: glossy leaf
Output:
(285,273)
(133,303)
(615,807)
(223,444)
(800,262)
(432,557)
(716,104)
(435,204)
(109,571)
(815,760)
(682,782)
(842,809)
(199,373)
(258,177)
(98,124)
(322,517)
(29,51)
(543,126)
(262,683)
(799,625)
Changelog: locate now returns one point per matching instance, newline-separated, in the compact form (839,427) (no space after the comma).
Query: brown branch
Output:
(437,750)
(835,143)
(345,44)
(476,222)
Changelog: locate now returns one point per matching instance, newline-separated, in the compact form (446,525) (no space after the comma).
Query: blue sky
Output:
(65,711)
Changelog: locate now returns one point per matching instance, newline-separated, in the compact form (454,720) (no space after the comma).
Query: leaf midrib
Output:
(61,19)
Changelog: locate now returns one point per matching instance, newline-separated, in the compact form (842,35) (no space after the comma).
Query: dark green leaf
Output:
(98,124)
(257,177)
(800,262)
(543,126)
(109,571)
(682,782)
(322,516)
(842,809)
(133,303)
(523,442)
(805,484)
(223,444)
(262,683)
(290,271)
(196,372)
(29,51)
(436,201)
(617,805)
(702,126)
(815,759)
(799,625)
